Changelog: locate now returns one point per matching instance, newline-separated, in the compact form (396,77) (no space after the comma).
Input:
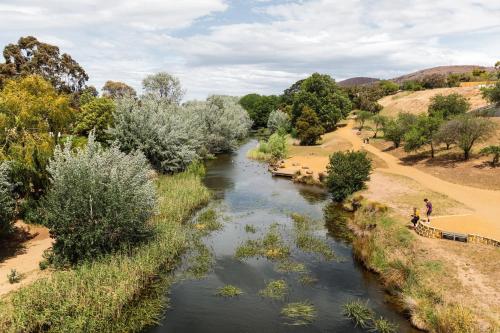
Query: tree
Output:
(117,89)
(7,202)
(32,117)
(163,86)
(308,127)
(279,121)
(446,134)
(87,95)
(422,133)
(448,106)
(277,146)
(492,94)
(99,200)
(379,121)
(96,115)
(433,81)
(412,85)
(259,108)
(492,150)
(362,117)
(470,130)
(388,87)
(30,56)
(395,129)
(347,173)
(321,94)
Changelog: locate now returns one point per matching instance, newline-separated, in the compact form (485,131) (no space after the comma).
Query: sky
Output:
(236,47)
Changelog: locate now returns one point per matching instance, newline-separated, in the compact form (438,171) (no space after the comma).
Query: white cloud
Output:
(124,40)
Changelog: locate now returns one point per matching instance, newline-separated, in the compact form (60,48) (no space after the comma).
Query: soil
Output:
(26,258)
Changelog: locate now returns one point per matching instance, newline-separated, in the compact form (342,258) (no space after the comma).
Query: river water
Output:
(248,194)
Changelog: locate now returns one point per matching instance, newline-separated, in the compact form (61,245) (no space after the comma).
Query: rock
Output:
(309,172)
(305,167)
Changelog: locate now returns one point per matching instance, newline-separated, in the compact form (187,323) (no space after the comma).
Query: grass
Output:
(309,243)
(121,292)
(207,222)
(250,248)
(276,289)
(382,325)
(299,313)
(271,246)
(201,262)
(14,276)
(250,229)
(359,312)
(290,266)
(229,291)
(307,280)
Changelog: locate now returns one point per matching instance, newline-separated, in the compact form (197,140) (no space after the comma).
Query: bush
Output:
(492,94)
(347,173)
(279,121)
(6,202)
(277,146)
(98,201)
(14,276)
(448,106)
(309,128)
(494,151)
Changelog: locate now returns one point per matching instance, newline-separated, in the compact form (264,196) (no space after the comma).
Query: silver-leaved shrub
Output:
(6,201)
(99,200)
(279,121)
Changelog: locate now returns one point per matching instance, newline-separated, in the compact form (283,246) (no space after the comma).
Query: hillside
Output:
(418,101)
(444,70)
(357,81)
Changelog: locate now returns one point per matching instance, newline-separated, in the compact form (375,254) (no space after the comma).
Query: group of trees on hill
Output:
(74,160)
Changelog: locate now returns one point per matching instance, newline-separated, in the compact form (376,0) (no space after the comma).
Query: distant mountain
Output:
(445,70)
(357,81)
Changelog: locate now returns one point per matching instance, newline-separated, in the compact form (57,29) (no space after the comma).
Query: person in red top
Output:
(428,205)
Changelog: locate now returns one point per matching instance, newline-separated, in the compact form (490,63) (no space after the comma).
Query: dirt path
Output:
(27,260)
(485,203)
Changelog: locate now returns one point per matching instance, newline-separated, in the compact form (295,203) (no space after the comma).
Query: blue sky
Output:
(237,47)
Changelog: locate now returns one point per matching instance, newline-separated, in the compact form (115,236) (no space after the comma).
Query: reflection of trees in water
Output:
(313,195)
(336,220)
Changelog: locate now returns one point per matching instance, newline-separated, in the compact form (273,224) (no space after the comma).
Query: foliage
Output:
(388,87)
(395,129)
(492,150)
(259,108)
(299,313)
(382,325)
(423,132)
(30,56)
(117,89)
(163,87)
(14,276)
(412,85)
(347,173)
(32,116)
(229,291)
(433,81)
(379,121)
(468,131)
(279,121)
(288,266)
(359,312)
(7,202)
(98,201)
(271,246)
(275,289)
(207,222)
(221,123)
(448,106)
(362,117)
(97,115)
(492,94)
(277,146)
(321,94)
(309,128)
(168,138)
(121,292)
(250,228)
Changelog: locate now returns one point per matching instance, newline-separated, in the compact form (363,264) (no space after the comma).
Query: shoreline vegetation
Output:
(124,291)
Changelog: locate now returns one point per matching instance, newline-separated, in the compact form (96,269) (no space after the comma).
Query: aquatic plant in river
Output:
(275,289)
(229,291)
(299,313)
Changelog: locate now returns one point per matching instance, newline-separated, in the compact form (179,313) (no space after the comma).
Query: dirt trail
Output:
(26,262)
(485,203)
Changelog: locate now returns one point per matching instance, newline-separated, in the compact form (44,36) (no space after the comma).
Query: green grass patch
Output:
(250,248)
(207,222)
(359,312)
(201,261)
(229,291)
(290,266)
(299,313)
(271,246)
(276,289)
(307,280)
(121,292)
(382,325)
(309,243)
(250,229)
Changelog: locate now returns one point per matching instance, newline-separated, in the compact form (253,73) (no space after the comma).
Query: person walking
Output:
(428,206)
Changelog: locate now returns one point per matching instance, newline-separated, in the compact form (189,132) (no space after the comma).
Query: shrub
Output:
(95,115)
(308,127)
(98,201)
(492,94)
(347,173)
(6,201)
(14,276)
(277,146)
(492,150)
(395,129)
(279,121)
(448,106)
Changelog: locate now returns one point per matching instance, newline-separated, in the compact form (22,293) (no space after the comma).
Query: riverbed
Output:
(246,194)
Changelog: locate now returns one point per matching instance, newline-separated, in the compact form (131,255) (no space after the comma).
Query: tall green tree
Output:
(7,202)
(395,129)
(423,133)
(97,115)
(448,106)
(321,94)
(259,108)
(362,117)
(308,126)
(492,94)
(30,56)
(379,121)
(348,172)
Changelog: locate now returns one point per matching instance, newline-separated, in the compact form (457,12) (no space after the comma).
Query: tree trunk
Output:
(466,155)
(432,150)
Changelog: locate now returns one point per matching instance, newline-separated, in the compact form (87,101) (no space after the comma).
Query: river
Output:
(248,194)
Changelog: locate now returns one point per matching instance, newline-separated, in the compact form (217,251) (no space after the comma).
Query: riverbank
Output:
(120,292)
(442,286)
